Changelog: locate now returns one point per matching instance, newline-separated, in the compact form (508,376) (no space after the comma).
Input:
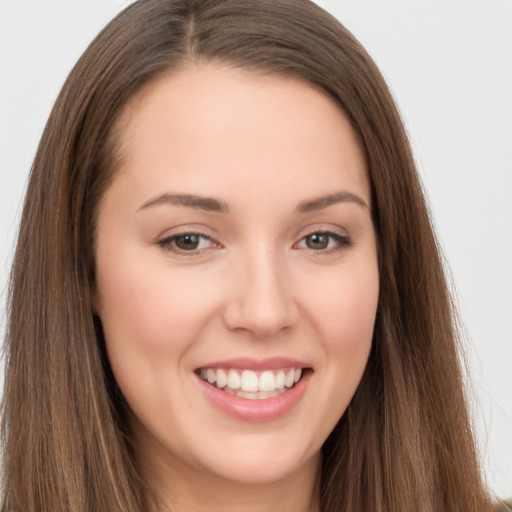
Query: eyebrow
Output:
(209,204)
(322,202)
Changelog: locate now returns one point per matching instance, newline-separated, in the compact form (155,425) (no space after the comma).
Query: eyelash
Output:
(342,242)
(169,243)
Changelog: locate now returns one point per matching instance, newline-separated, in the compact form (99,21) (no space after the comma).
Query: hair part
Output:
(405,441)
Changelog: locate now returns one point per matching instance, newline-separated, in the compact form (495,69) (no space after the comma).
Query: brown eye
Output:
(317,241)
(188,242)
(191,243)
(324,242)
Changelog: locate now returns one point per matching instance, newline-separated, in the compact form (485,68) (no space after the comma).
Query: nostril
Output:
(262,320)
(262,302)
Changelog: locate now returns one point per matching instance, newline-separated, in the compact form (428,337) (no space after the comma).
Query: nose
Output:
(262,300)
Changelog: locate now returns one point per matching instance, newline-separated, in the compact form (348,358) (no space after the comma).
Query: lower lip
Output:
(266,409)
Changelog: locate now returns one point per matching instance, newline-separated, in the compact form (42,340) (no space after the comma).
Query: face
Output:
(237,277)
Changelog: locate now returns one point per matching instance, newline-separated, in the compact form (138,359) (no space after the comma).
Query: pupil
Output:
(317,241)
(187,242)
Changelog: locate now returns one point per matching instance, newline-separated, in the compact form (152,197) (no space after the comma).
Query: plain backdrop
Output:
(449,65)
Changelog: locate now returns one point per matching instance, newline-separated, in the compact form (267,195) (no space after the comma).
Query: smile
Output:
(254,390)
(249,384)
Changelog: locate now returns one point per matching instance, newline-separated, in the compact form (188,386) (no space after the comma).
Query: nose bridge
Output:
(263,302)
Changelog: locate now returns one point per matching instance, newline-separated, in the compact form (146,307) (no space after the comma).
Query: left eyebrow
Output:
(322,202)
(189,201)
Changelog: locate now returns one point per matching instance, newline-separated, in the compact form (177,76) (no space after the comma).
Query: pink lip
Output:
(255,410)
(245,363)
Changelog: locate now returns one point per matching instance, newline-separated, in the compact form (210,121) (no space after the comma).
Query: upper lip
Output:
(246,363)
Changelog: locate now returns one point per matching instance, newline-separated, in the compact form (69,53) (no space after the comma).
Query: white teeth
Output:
(211,375)
(249,381)
(233,379)
(261,395)
(288,381)
(222,379)
(250,384)
(279,381)
(267,381)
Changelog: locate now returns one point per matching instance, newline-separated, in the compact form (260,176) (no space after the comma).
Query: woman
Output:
(226,292)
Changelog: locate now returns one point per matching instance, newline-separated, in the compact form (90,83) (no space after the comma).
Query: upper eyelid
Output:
(170,238)
(331,230)
(184,233)
(186,229)
(168,244)
(331,234)
(325,232)
(328,231)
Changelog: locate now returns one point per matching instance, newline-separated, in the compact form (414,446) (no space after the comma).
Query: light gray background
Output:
(449,64)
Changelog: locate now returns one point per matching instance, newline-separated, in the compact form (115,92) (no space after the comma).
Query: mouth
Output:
(252,390)
(251,384)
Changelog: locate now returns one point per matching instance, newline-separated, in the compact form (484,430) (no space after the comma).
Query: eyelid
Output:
(344,240)
(166,243)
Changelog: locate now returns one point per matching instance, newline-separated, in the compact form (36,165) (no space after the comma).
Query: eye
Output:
(187,243)
(324,241)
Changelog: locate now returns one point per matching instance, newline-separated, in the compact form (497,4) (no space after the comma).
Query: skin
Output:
(256,288)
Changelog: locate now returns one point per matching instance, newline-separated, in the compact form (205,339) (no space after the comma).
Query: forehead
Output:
(211,126)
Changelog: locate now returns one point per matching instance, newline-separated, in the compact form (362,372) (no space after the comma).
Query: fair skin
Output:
(276,270)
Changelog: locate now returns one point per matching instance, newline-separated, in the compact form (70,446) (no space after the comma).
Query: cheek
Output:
(151,315)
(149,306)
(344,315)
(345,309)
(151,318)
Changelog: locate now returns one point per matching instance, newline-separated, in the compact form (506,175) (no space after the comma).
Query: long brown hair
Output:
(405,442)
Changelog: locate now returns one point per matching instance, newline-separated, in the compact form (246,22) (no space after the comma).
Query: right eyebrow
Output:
(320,203)
(209,204)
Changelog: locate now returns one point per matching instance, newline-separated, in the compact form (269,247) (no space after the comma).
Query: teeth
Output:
(264,385)
(279,381)
(222,379)
(233,379)
(288,381)
(267,382)
(211,375)
(261,395)
(249,381)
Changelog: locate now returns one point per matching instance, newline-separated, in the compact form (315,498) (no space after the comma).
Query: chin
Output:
(251,462)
